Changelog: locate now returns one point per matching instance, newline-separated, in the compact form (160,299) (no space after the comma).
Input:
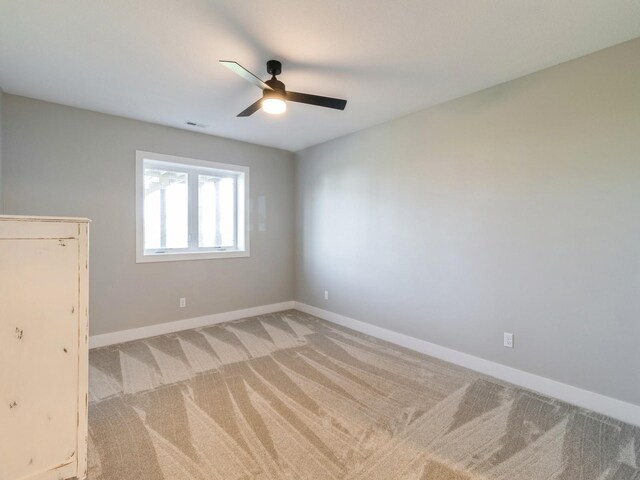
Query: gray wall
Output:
(513,209)
(65,161)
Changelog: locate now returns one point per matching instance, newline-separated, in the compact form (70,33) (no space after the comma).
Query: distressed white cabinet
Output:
(43,348)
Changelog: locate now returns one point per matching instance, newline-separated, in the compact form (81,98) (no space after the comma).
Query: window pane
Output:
(166,209)
(217,211)
(227,197)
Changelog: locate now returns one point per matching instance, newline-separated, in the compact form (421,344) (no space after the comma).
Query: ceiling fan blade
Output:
(328,102)
(235,67)
(251,109)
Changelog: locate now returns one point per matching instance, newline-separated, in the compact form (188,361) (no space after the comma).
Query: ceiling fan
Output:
(274,95)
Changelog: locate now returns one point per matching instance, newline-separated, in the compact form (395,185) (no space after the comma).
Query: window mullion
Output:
(193,211)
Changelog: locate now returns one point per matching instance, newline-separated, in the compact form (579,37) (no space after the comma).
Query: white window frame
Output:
(242,202)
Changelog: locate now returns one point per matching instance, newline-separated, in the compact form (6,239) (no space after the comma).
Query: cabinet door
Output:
(39,318)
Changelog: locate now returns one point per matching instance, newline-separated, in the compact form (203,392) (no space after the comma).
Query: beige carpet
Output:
(289,396)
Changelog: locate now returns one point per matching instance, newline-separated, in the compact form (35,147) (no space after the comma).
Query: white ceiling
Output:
(157,60)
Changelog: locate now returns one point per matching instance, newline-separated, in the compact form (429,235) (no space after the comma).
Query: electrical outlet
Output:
(326,294)
(183,302)
(508,340)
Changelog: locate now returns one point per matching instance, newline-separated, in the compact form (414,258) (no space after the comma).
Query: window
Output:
(190,209)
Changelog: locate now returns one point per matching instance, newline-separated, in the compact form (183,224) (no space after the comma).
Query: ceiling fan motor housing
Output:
(276,84)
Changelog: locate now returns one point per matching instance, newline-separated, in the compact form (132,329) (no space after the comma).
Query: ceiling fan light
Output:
(274,106)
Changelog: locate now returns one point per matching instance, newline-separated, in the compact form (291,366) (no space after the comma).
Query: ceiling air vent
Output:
(194,124)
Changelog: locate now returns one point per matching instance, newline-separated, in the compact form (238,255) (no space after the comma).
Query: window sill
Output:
(182,256)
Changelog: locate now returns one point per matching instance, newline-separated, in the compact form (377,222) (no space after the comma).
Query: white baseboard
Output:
(611,407)
(178,325)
